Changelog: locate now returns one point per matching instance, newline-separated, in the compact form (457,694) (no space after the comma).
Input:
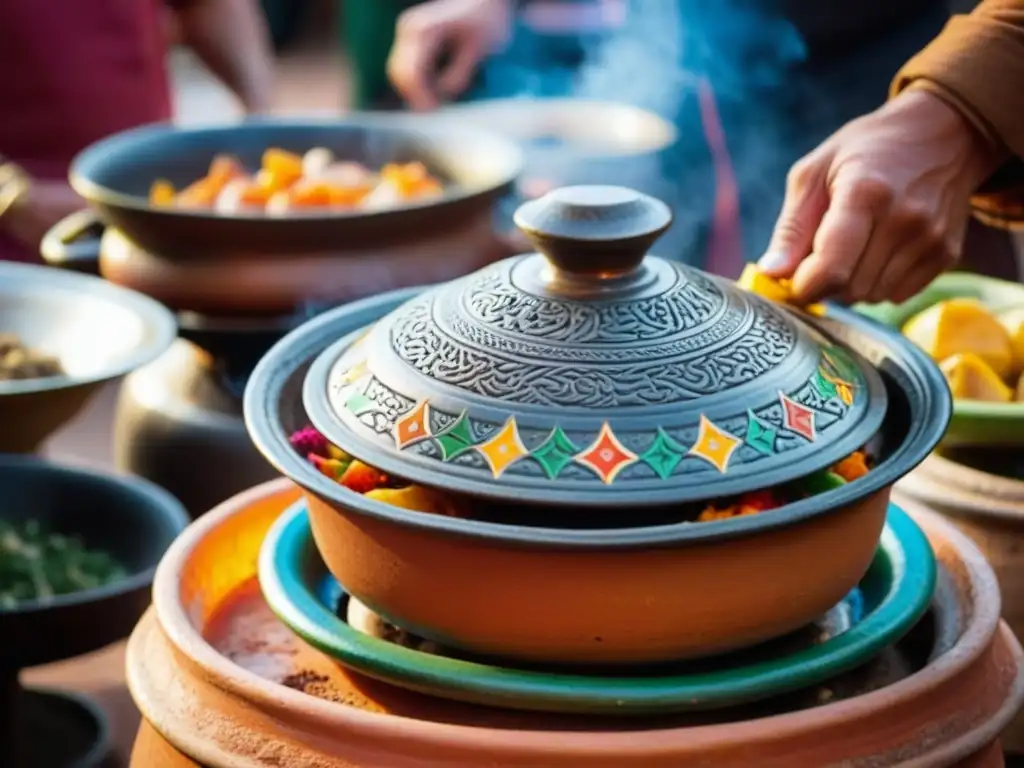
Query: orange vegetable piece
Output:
(347,197)
(199,194)
(224,168)
(852,467)
(410,179)
(282,168)
(161,193)
(310,194)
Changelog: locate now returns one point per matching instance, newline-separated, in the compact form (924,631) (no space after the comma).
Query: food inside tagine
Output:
(18,361)
(980,351)
(290,183)
(357,476)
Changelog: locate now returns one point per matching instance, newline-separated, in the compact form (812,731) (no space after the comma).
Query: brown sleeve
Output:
(977,64)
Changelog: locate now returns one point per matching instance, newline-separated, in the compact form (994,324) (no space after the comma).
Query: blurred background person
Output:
(752,86)
(85,70)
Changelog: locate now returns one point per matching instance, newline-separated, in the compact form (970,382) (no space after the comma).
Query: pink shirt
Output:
(74,72)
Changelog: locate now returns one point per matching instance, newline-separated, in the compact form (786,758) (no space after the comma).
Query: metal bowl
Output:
(115,175)
(97,330)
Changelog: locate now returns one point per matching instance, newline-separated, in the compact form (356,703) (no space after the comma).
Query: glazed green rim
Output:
(999,295)
(901,581)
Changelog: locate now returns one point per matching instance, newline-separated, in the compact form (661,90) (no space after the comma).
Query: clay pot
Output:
(612,595)
(207,709)
(276,284)
(990,510)
(692,599)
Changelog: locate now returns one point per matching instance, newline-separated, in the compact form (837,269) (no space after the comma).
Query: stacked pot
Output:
(575,403)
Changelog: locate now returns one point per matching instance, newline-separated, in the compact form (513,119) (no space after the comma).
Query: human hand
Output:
(466,31)
(38,210)
(879,209)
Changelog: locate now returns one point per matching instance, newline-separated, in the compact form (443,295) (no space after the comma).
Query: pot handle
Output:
(73,243)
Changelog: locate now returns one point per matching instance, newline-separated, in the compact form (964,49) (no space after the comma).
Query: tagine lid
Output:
(591,374)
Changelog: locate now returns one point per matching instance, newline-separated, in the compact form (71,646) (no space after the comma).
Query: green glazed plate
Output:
(891,598)
(973,422)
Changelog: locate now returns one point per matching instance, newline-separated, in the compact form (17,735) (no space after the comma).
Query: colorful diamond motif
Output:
(714,445)
(358,403)
(413,426)
(555,453)
(456,439)
(503,449)
(845,392)
(664,454)
(760,434)
(797,418)
(824,385)
(355,372)
(606,456)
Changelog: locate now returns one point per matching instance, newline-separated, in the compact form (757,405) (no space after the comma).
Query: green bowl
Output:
(889,600)
(974,422)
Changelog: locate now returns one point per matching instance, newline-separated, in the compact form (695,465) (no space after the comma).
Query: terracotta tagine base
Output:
(221,682)
(888,602)
(989,508)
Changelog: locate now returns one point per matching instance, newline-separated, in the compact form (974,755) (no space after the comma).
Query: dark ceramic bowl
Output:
(115,175)
(192,259)
(98,330)
(132,520)
(604,595)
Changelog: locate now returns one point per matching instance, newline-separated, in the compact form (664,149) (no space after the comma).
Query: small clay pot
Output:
(210,710)
(990,510)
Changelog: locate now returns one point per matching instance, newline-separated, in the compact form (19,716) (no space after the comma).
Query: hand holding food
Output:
(880,208)
(287,183)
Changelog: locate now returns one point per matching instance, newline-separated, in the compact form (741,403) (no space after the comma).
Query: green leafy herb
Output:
(36,564)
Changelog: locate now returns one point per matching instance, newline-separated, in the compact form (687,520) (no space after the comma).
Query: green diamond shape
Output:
(555,453)
(457,439)
(663,455)
(823,386)
(358,403)
(760,434)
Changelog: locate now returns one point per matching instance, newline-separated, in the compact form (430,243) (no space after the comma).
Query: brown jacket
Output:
(977,63)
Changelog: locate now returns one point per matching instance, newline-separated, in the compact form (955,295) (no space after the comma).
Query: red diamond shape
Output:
(606,456)
(798,418)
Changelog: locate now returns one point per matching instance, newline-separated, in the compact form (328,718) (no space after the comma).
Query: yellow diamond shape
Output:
(503,449)
(714,445)
(354,372)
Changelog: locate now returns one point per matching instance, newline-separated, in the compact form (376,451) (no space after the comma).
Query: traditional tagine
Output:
(584,436)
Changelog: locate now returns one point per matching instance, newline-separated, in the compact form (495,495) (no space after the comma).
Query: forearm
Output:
(231,38)
(977,65)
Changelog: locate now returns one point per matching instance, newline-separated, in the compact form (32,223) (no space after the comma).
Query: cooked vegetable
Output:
(20,362)
(287,182)
(773,289)
(960,326)
(36,564)
(374,484)
(971,378)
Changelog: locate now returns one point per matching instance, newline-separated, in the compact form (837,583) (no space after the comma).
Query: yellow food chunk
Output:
(971,378)
(414,497)
(959,326)
(755,281)
(161,193)
(1013,321)
(760,284)
(1020,389)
